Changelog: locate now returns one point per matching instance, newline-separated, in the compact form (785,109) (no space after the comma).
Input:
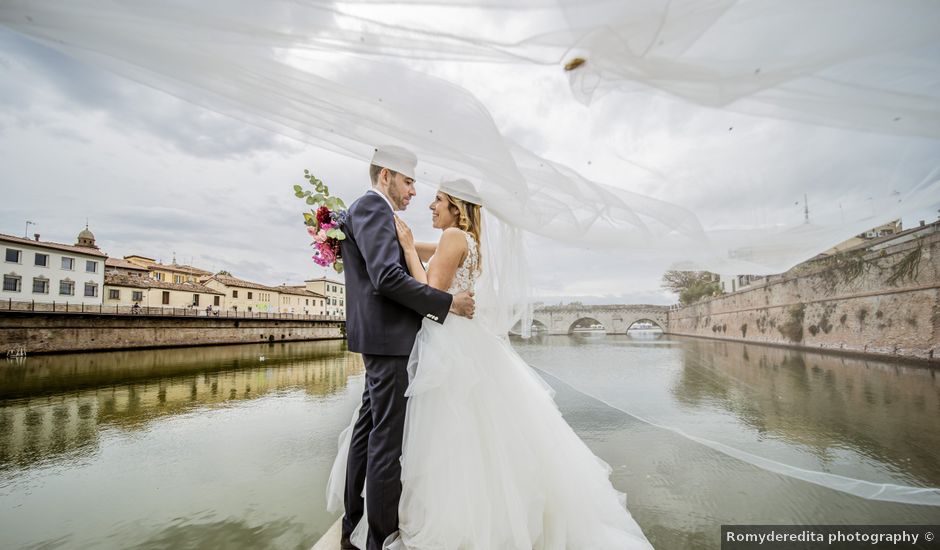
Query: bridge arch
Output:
(538,327)
(615,318)
(642,320)
(586,323)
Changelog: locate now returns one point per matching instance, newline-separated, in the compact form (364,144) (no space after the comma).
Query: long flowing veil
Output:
(837,97)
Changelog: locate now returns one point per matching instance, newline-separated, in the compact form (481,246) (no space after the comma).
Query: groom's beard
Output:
(400,202)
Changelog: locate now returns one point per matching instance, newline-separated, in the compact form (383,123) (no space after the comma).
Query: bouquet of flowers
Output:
(324,222)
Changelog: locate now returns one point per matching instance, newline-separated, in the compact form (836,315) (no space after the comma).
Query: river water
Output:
(230,446)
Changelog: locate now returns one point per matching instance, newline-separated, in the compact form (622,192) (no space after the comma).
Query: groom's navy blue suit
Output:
(384,308)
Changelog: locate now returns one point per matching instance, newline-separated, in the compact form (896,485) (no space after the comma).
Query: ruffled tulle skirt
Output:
(488,462)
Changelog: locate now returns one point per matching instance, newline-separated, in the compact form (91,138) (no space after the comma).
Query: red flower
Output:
(323,215)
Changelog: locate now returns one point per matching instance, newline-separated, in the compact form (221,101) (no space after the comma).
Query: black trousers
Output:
(375,449)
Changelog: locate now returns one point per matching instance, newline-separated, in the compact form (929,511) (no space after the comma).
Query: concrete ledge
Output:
(41,332)
(330,539)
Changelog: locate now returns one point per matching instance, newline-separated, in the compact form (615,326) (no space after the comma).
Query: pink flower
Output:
(311,231)
(320,237)
(326,254)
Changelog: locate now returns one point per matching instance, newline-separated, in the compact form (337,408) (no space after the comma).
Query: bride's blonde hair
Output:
(469,219)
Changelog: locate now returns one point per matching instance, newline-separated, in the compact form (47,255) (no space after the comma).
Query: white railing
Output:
(100,309)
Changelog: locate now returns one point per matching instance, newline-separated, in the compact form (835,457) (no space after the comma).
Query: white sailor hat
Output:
(463,190)
(396,158)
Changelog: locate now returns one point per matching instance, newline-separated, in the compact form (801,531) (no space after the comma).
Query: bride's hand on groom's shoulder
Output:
(463,304)
(405,238)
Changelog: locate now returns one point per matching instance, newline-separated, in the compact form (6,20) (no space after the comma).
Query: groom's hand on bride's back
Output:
(463,304)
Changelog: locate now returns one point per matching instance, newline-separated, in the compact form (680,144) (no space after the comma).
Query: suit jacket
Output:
(384,304)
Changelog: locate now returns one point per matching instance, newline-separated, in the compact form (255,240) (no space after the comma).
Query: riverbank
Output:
(37,332)
(883,303)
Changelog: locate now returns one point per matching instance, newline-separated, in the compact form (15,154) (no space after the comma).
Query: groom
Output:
(384,307)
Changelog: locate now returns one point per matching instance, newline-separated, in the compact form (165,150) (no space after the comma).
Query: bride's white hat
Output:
(396,158)
(463,190)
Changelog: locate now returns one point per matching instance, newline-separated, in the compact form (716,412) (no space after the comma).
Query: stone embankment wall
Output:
(37,332)
(884,302)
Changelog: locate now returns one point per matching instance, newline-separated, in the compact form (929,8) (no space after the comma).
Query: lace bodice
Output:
(469,270)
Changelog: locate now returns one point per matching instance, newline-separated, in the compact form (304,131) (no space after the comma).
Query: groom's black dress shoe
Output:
(346,545)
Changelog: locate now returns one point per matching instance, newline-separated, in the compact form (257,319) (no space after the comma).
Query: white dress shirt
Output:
(384,198)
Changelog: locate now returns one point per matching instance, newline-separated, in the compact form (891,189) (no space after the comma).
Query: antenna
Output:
(28,223)
(805,209)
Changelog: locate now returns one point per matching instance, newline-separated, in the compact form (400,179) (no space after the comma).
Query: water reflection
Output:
(72,398)
(863,419)
(828,405)
(210,447)
(826,413)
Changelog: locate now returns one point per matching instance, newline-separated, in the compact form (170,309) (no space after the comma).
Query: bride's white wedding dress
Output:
(488,462)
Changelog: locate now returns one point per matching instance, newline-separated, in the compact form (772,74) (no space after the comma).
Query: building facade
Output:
(43,271)
(124,267)
(335,293)
(244,295)
(128,290)
(169,273)
(297,299)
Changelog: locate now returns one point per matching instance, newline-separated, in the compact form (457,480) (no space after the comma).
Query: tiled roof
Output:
(55,246)
(122,279)
(298,291)
(228,280)
(123,264)
(326,280)
(181,268)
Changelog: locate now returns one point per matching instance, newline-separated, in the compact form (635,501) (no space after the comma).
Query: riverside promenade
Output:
(27,328)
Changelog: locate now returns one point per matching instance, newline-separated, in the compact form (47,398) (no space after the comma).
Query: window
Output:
(91,290)
(66,288)
(177,279)
(137,295)
(114,294)
(166,297)
(91,266)
(308,301)
(42,260)
(341,302)
(13,256)
(216,301)
(195,299)
(234,294)
(249,295)
(68,264)
(40,285)
(11,283)
(158,276)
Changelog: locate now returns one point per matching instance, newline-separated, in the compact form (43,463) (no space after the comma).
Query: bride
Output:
(488,462)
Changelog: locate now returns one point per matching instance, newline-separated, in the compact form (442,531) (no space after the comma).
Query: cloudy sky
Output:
(157,176)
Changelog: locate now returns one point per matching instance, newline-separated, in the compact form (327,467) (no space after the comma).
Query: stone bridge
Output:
(616,319)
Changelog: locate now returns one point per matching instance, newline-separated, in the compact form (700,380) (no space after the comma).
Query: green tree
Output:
(691,286)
